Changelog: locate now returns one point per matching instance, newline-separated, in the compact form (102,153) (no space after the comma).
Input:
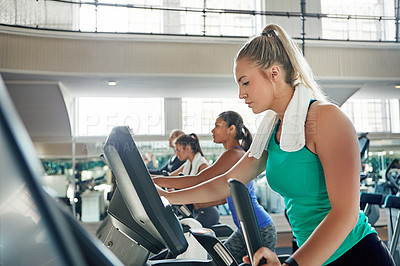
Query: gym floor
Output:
(284,241)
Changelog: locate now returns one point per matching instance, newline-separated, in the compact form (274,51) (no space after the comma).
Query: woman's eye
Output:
(245,83)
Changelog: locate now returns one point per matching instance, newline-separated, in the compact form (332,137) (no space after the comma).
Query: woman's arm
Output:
(202,167)
(177,171)
(209,204)
(220,166)
(217,188)
(336,145)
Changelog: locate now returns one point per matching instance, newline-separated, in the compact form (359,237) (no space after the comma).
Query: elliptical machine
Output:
(152,233)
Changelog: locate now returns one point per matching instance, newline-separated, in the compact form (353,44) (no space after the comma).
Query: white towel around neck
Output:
(293,135)
(192,168)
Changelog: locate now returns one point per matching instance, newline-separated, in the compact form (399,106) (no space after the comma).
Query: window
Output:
(104,18)
(97,116)
(373,115)
(167,17)
(361,28)
(199,115)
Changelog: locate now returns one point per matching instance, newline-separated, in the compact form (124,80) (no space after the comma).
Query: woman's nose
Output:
(242,94)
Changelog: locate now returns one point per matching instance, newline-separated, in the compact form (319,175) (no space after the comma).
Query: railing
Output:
(95,16)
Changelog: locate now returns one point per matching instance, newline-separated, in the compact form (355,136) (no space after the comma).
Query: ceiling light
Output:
(112,83)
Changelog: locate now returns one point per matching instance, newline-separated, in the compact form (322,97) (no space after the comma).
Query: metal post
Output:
(95,8)
(73,155)
(204,17)
(73,177)
(397,14)
(303,20)
(395,236)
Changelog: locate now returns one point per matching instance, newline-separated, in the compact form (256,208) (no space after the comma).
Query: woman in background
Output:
(187,147)
(230,131)
(173,163)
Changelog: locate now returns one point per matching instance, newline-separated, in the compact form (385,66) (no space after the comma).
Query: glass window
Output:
(97,116)
(104,18)
(199,115)
(361,28)
(112,19)
(193,23)
(145,20)
(373,115)
(87,18)
(157,16)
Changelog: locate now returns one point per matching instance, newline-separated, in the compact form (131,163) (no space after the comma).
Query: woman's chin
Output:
(257,111)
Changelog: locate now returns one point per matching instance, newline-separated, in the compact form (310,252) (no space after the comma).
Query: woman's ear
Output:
(272,74)
(275,72)
(232,129)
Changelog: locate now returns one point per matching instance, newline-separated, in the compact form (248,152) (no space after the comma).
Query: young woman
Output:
(173,163)
(320,180)
(187,147)
(230,131)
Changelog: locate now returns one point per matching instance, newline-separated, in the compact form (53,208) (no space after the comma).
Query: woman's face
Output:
(220,131)
(182,152)
(254,86)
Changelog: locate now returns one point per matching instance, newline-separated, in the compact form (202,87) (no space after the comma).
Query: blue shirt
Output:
(262,216)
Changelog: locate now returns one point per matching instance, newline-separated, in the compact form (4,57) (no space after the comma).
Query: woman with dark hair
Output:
(187,147)
(230,131)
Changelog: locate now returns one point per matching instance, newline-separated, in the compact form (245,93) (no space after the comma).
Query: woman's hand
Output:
(267,254)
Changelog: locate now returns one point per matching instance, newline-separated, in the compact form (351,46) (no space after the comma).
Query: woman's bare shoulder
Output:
(319,106)
(323,111)
(329,120)
(235,151)
(231,155)
(324,119)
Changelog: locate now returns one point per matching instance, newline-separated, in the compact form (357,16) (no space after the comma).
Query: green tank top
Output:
(299,178)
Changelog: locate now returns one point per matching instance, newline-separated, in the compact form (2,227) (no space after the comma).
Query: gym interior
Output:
(73,71)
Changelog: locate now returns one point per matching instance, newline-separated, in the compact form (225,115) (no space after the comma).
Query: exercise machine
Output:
(392,175)
(392,203)
(146,219)
(370,203)
(222,231)
(35,229)
(247,219)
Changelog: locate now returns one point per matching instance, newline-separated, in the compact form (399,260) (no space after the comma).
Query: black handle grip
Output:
(165,173)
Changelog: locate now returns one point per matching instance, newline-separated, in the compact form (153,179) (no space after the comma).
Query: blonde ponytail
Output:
(274,45)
